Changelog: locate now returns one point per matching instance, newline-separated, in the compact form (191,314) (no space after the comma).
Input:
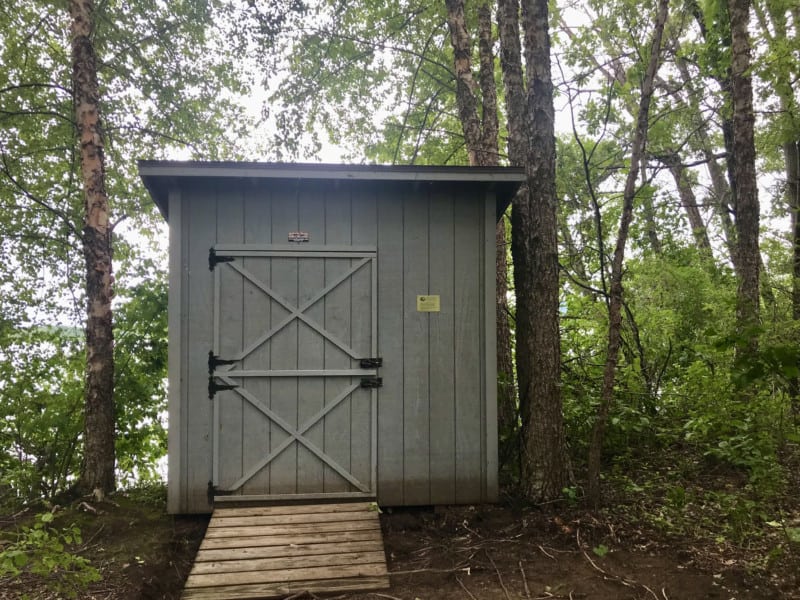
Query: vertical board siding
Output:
(416,349)
(230,228)
(363,233)
(390,347)
(283,401)
(442,352)
(337,429)
(311,391)
(468,376)
(200,231)
(257,310)
(434,435)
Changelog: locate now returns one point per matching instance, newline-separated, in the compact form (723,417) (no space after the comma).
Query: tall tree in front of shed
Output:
(534,246)
(481,140)
(615,302)
(745,185)
(97,472)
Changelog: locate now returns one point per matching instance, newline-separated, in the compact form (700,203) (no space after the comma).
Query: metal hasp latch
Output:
(371,382)
(371,363)
(215,361)
(214,259)
(214,387)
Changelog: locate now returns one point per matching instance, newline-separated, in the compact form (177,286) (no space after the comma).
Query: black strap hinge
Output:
(371,363)
(371,382)
(214,387)
(215,361)
(214,491)
(214,259)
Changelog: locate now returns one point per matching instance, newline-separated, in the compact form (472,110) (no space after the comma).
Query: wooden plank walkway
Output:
(275,551)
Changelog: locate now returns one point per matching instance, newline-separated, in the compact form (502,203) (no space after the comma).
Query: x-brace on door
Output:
(293,370)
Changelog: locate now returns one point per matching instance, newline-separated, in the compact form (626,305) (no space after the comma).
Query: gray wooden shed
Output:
(331,331)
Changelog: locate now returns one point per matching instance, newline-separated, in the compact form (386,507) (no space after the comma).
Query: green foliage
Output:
(41,397)
(42,550)
(150,494)
(570,495)
(140,386)
(373,78)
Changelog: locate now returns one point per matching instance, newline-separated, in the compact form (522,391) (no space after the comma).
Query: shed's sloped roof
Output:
(161,176)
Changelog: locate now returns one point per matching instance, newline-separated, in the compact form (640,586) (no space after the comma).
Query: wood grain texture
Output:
(289,551)
(293,509)
(324,551)
(250,521)
(261,541)
(276,590)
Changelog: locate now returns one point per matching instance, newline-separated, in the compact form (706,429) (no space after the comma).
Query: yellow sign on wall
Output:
(428,304)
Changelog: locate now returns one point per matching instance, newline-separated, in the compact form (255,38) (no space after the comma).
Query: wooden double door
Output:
(293,372)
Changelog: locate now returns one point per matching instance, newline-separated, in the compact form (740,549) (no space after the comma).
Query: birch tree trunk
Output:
(593,494)
(97,472)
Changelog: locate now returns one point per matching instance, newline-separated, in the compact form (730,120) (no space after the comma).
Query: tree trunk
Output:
(689,203)
(616,290)
(745,191)
(490,125)
(465,84)
(791,151)
(97,473)
(534,247)
(511,66)
(649,212)
(721,190)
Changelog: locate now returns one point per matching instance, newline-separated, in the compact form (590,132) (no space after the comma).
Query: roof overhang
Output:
(160,177)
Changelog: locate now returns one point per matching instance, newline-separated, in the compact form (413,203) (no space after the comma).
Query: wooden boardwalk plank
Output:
(288,550)
(286,540)
(261,552)
(340,559)
(283,575)
(242,592)
(251,521)
(222,532)
(295,509)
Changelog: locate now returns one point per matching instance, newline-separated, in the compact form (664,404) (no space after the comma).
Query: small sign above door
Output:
(428,304)
(299,236)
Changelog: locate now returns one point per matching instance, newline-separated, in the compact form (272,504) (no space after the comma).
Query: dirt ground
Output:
(465,553)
